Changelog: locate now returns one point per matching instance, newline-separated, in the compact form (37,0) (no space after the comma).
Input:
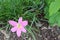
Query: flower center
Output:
(19,25)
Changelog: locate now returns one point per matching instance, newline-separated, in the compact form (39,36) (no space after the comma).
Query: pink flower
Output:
(18,27)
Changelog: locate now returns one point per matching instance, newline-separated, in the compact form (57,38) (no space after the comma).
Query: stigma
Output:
(19,25)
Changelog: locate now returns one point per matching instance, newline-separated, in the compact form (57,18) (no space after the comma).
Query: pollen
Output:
(19,25)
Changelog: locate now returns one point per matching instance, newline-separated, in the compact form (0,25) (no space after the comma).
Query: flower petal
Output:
(13,23)
(18,32)
(13,29)
(23,30)
(24,23)
(20,20)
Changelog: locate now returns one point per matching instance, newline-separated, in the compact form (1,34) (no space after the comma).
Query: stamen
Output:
(18,25)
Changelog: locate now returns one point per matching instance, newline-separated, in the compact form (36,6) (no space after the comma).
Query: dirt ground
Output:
(46,33)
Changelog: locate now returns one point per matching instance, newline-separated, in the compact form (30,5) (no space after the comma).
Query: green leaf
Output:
(54,7)
(58,18)
(55,19)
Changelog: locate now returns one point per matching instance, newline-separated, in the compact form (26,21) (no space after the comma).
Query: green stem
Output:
(32,34)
